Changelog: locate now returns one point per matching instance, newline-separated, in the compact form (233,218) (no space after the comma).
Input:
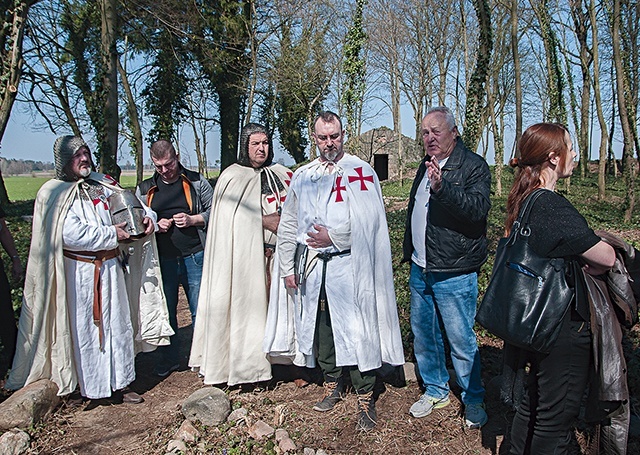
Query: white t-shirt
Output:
(419,220)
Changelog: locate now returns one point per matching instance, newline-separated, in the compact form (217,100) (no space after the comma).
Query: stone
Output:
(187,432)
(281,434)
(410,372)
(14,442)
(29,405)
(308,451)
(237,415)
(260,430)
(321,452)
(287,445)
(209,405)
(176,446)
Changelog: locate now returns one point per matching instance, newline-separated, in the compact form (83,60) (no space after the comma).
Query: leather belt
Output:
(96,258)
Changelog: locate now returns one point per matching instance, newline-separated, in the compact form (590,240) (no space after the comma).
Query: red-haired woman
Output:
(556,381)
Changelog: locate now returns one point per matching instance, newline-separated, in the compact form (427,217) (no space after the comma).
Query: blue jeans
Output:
(449,300)
(185,271)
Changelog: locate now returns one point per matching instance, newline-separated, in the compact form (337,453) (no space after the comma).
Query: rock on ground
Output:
(209,405)
(187,432)
(176,446)
(238,414)
(29,405)
(14,442)
(260,430)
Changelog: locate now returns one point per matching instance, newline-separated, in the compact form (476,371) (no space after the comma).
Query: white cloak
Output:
(232,307)
(360,294)
(57,338)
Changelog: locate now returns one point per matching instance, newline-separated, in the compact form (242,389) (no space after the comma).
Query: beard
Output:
(330,155)
(84,172)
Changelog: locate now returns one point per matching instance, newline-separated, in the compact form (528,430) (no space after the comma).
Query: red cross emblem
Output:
(111,180)
(361,178)
(101,199)
(271,199)
(338,189)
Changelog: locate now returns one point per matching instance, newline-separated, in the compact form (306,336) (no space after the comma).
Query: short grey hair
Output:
(448,115)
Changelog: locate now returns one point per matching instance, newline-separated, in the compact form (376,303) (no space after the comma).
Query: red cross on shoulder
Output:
(361,178)
(338,188)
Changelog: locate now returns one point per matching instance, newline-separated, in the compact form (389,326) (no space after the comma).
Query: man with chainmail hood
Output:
(83,316)
(238,262)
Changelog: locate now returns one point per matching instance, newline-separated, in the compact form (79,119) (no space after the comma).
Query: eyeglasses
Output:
(334,137)
(166,165)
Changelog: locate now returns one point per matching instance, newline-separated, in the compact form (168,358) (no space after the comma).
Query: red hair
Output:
(537,143)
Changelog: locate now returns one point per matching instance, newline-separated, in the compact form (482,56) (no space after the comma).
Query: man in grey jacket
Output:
(182,200)
(445,240)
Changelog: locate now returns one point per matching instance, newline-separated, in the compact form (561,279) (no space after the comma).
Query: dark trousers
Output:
(8,329)
(362,382)
(555,387)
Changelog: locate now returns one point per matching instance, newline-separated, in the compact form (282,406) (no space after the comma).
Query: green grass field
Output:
(25,187)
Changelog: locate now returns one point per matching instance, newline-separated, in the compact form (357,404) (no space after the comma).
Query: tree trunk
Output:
(230,100)
(134,123)
(516,71)
(604,134)
(477,90)
(627,150)
(109,134)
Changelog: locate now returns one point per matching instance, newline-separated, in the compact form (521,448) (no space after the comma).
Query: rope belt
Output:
(326,257)
(96,258)
(269,250)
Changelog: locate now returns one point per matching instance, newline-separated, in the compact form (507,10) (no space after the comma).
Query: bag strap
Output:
(527,205)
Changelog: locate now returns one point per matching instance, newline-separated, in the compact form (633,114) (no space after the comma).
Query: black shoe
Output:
(333,393)
(74,399)
(367,416)
(165,369)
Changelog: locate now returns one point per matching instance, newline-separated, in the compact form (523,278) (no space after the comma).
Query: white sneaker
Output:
(474,415)
(426,404)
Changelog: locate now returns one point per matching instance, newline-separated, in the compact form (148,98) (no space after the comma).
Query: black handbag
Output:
(528,295)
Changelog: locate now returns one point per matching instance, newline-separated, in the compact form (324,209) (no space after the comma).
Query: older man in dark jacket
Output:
(445,240)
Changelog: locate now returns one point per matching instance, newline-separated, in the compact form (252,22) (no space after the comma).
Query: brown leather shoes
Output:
(131,397)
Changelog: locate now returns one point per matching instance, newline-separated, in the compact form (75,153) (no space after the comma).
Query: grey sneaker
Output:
(426,404)
(474,415)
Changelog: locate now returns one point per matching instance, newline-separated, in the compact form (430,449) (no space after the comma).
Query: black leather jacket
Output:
(457,217)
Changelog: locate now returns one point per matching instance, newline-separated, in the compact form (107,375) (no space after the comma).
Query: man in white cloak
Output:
(238,258)
(345,300)
(81,322)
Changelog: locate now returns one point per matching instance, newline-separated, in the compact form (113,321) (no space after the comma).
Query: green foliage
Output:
(354,67)
(166,92)
(301,78)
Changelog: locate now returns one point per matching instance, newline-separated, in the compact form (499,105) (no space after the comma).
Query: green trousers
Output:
(362,382)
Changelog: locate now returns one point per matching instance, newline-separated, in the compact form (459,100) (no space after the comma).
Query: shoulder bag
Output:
(528,295)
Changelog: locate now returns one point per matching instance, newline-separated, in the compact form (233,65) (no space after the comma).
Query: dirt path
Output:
(105,428)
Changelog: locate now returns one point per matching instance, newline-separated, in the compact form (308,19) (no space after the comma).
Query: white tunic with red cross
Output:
(346,199)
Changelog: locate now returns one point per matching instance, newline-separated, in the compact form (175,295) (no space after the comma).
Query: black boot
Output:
(333,392)
(367,416)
